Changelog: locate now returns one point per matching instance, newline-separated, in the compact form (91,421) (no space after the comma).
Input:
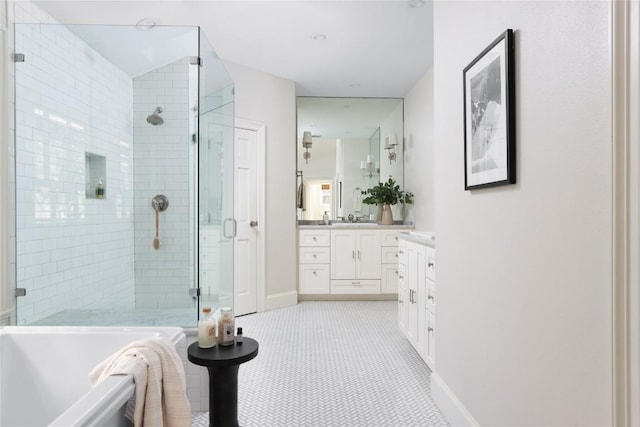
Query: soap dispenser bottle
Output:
(100,190)
(325,218)
(206,329)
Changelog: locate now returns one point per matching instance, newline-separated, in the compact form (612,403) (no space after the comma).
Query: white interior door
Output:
(246,213)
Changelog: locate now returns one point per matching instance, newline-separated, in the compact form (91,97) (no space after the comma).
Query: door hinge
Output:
(20,292)
(194,292)
(195,60)
(18,57)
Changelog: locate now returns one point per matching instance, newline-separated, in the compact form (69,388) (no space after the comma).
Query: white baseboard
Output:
(449,404)
(281,300)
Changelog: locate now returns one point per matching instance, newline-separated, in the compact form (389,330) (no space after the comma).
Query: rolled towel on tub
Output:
(160,396)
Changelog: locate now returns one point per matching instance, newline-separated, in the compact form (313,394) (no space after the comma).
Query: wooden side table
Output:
(222,364)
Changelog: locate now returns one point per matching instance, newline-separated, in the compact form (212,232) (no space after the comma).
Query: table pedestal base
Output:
(223,396)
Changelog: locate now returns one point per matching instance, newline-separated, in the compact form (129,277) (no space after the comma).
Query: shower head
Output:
(155,119)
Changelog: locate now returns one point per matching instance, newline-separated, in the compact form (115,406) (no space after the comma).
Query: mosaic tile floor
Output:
(332,363)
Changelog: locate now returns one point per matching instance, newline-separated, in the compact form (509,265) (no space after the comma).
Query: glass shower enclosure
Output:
(123,175)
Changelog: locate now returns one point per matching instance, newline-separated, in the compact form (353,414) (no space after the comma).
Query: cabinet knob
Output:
(315,256)
(314,238)
(400,252)
(429,329)
(430,297)
(400,276)
(315,273)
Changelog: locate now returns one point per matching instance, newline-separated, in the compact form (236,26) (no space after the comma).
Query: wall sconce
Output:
(391,146)
(307,140)
(368,167)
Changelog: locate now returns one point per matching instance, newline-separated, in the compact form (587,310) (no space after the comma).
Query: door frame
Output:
(260,129)
(625,226)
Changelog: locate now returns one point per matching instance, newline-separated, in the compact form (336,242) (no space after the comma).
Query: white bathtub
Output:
(44,374)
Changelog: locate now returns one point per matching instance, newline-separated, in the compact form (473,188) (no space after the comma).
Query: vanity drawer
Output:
(314,238)
(389,238)
(431,296)
(430,267)
(389,255)
(314,279)
(355,286)
(315,255)
(402,252)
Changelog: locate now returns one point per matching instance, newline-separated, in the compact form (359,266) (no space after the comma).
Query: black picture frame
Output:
(489,116)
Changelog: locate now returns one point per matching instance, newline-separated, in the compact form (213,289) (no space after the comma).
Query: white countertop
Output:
(357,226)
(427,238)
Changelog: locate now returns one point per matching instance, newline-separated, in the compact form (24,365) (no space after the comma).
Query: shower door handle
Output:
(234,228)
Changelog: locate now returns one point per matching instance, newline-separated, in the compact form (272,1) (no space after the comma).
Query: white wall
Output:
(322,164)
(354,151)
(524,271)
(418,152)
(270,100)
(74,251)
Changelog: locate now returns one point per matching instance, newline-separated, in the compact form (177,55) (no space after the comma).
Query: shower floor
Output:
(183,317)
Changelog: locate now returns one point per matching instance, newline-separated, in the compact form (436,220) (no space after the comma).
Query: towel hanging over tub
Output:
(160,396)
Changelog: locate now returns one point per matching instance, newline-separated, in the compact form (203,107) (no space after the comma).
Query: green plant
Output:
(387,193)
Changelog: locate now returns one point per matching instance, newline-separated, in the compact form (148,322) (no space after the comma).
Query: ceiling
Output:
(370,49)
(352,118)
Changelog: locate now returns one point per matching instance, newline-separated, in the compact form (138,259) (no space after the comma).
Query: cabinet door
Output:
(368,256)
(403,299)
(343,254)
(430,352)
(389,283)
(412,280)
(421,302)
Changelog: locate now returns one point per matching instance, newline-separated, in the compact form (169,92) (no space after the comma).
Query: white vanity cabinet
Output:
(389,256)
(314,257)
(355,262)
(355,254)
(430,308)
(416,296)
(348,260)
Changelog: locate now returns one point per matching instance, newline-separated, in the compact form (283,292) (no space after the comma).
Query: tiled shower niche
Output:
(95,171)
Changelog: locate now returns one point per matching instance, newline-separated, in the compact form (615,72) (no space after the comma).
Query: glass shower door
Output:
(216,224)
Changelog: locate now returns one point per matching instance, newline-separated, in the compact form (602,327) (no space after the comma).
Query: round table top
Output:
(221,356)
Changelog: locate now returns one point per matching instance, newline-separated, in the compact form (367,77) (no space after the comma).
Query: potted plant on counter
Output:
(387,194)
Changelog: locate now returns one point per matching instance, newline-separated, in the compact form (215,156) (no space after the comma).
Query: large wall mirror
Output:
(346,145)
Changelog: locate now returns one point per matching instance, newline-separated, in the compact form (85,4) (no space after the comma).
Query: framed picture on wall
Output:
(489,116)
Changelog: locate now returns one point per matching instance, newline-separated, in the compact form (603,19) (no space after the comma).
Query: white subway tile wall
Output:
(163,277)
(73,251)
